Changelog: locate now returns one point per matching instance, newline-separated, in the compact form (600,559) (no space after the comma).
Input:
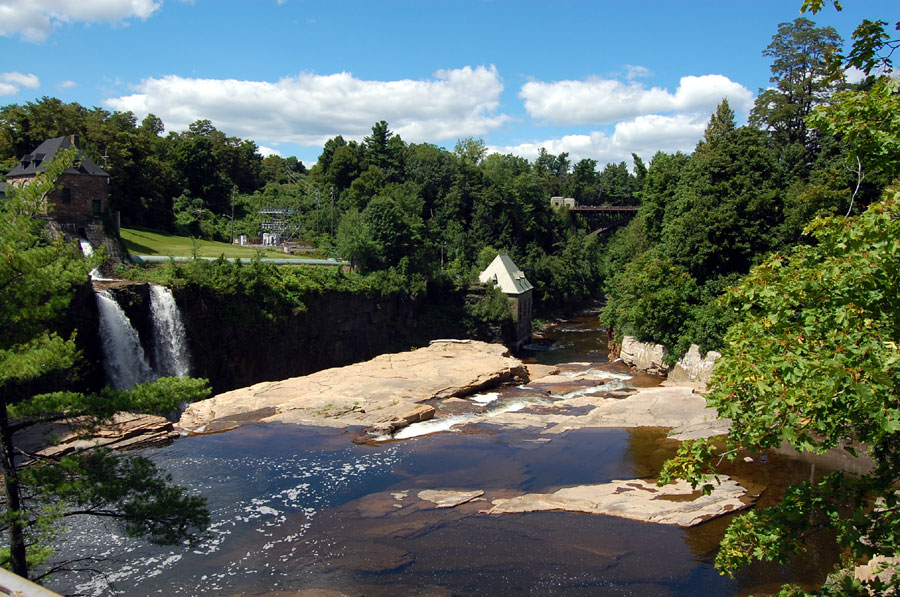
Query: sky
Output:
(595,79)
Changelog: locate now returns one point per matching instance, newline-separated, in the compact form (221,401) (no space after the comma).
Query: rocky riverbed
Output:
(391,392)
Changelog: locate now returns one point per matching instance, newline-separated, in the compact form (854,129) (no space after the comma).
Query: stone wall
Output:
(81,190)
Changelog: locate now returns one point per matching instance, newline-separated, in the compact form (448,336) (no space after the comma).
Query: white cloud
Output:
(604,101)
(10,83)
(33,20)
(636,71)
(308,109)
(644,135)
(67,84)
(854,75)
(267,151)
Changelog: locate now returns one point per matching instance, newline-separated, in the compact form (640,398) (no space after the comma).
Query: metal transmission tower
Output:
(284,222)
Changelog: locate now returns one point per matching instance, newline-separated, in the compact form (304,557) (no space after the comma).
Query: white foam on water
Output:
(430,426)
(610,386)
(485,398)
(510,407)
(292,492)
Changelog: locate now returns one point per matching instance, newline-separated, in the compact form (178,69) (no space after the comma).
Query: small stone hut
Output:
(81,195)
(511,281)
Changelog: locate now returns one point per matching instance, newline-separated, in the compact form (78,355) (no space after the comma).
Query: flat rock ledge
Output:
(449,498)
(383,394)
(677,407)
(125,431)
(676,503)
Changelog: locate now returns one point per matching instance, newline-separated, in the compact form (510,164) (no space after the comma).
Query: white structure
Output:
(506,275)
(567,202)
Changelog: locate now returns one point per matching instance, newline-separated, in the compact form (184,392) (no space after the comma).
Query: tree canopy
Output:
(38,274)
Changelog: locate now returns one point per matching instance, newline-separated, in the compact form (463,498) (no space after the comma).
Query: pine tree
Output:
(38,275)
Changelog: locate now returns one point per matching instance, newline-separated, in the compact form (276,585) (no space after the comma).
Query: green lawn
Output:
(151,242)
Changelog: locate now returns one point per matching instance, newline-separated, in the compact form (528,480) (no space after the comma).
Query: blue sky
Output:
(597,79)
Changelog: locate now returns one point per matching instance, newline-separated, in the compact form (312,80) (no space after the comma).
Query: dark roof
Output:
(34,162)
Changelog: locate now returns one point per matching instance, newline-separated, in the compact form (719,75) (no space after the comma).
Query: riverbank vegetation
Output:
(810,358)
(38,275)
(775,242)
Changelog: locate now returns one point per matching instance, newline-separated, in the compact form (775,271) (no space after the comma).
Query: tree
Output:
(801,71)
(726,206)
(866,122)
(384,150)
(872,46)
(354,241)
(470,150)
(617,185)
(814,361)
(38,274)
(720,125)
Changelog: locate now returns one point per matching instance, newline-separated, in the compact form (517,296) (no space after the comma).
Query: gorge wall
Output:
(238,340)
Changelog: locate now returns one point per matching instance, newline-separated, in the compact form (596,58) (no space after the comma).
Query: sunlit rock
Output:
(676,503)
(449,499)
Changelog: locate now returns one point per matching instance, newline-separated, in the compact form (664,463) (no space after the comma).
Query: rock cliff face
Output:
(236,343)
(691,368)
(643,355)
(239,341)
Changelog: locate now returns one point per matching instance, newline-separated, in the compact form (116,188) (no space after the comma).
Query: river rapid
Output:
(297,509)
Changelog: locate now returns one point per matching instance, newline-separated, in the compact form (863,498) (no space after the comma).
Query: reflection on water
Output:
(576,339)
(298,508)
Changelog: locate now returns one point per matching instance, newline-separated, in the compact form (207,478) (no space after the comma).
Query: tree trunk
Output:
(13,498)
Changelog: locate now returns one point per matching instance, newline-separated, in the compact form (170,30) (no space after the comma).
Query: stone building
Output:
(81,196)
(511,281)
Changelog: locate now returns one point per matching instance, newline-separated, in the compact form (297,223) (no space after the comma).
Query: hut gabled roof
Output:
(507,275)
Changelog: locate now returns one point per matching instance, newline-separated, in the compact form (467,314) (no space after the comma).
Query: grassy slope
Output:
(148,242)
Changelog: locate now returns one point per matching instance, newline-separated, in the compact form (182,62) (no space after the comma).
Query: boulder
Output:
(692,368)
(643,355)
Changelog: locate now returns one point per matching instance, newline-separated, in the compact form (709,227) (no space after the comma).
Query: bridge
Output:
(626,211)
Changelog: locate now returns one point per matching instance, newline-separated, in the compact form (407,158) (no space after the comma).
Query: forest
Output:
(775,242)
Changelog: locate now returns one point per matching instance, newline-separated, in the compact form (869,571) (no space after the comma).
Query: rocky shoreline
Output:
(390,392)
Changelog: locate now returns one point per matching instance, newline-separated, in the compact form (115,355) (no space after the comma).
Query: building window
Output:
(95,208)
(66,196)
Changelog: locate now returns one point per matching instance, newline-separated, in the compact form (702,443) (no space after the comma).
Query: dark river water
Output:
(308,511)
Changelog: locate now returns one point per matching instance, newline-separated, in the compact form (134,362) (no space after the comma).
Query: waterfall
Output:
(87,250)
(124,360)
(169,341)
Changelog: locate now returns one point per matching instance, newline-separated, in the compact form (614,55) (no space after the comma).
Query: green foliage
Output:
(801,67)
(868,123)
(494,310)
(813,361)
(651,299)
(726,207)
(38,274)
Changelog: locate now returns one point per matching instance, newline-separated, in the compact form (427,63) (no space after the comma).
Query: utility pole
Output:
(332,211)
(233,188)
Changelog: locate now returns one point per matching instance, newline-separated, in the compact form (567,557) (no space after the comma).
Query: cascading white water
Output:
(169,340)
(87,250)
(124,360)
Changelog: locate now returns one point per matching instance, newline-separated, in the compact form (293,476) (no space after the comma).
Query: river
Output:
(299,509)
